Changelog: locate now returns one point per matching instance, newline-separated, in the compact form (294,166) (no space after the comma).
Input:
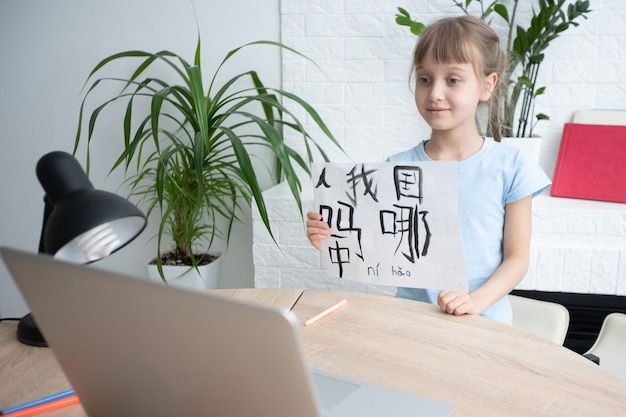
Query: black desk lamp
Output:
(80,224)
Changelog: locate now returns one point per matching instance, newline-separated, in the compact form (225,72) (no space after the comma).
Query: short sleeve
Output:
(528,179)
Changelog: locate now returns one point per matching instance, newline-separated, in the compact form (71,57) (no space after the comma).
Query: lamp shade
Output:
(80,224)
(74,208)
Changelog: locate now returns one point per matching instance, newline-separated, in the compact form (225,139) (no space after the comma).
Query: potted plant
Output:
(524,48)
(188,150)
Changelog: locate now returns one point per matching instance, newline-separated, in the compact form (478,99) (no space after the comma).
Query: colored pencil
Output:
(42,408)
(326,312)
(33,403)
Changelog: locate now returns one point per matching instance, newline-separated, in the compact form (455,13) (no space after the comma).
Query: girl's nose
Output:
(435,92)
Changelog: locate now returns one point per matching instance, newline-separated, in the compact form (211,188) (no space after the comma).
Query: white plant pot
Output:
(206,277)
(531,146)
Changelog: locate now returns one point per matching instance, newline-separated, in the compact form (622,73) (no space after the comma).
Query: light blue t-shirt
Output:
(488,180)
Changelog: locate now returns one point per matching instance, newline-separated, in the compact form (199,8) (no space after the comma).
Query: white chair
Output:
(542,318)
(610,346)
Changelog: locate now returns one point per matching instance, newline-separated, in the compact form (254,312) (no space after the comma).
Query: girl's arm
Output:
(516,248)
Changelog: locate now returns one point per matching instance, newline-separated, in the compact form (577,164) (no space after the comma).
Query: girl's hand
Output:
(316,229)
(456,303)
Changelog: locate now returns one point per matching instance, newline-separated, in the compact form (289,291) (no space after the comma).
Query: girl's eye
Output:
(423,80)
(453,81)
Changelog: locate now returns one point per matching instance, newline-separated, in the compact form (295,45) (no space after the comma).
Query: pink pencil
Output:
(326,312)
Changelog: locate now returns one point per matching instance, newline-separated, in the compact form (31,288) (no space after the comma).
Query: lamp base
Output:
(28,332)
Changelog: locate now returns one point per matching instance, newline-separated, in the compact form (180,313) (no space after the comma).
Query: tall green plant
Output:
(524,48)
(187,150)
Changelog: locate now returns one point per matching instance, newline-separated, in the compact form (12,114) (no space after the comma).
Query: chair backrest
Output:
(542,318)
(610,346)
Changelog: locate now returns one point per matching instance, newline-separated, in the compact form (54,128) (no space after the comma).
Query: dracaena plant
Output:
(188,150)
(525,46)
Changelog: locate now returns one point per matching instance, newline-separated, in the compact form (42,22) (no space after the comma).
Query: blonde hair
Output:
(462,40)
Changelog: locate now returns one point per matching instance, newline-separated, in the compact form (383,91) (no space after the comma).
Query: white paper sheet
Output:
(392,223)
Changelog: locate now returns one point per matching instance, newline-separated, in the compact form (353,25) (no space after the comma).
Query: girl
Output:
(457,64)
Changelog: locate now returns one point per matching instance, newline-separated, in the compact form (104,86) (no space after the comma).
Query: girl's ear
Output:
(489,83)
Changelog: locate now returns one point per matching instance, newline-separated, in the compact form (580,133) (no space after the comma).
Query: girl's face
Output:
(447,95)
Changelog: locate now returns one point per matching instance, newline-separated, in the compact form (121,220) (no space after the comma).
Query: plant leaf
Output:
(502,11)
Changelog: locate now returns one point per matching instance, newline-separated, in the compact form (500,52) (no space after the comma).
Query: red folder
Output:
(591,164)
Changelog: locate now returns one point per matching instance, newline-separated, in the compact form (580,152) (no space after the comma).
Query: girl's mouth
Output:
(436,110)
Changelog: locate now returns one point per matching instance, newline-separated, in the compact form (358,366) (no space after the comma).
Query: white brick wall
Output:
(577,246)
(360,87)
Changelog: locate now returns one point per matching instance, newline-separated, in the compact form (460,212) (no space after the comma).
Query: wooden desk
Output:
(27,373)
(482,367)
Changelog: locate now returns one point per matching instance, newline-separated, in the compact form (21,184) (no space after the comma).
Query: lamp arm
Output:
(46,215)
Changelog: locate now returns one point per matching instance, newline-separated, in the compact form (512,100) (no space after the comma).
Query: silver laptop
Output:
(135,348)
